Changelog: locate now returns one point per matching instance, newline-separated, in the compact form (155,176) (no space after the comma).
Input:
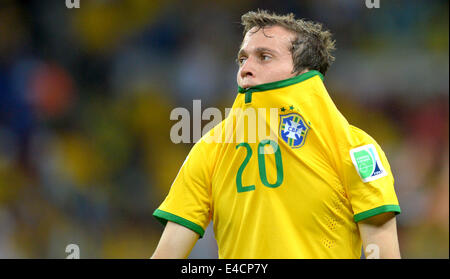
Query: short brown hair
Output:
(312,47)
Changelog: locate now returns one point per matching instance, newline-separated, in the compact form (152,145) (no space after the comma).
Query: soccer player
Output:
(321,189)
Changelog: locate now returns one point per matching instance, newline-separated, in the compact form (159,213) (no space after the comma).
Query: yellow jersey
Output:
(298,194)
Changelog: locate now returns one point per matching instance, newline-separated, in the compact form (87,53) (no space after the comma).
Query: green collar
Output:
(280,83)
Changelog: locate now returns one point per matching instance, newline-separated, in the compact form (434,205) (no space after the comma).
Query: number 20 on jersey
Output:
(261,165)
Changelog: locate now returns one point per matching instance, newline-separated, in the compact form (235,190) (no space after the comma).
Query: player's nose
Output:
(247,69)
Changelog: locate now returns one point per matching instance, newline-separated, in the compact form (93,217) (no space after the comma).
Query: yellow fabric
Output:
(310,214)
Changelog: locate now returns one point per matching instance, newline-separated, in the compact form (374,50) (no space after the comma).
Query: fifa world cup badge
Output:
(367,163)
(293,129)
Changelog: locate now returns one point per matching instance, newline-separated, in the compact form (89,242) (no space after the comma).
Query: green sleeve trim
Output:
(163,217)
(378,210)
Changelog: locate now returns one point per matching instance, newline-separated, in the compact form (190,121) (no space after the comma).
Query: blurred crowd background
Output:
(86,94)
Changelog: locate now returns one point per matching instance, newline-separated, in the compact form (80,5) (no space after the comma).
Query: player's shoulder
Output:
(360,137)
(212,135)
(221,133)
(209,141)
(358,133)
(204,153)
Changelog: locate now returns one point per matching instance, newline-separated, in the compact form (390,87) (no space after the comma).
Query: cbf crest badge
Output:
(293,129)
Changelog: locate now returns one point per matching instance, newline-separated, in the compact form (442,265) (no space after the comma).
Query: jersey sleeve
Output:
(369,180)
(188,201)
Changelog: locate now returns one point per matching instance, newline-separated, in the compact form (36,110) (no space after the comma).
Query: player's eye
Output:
(265,57)
(241,60)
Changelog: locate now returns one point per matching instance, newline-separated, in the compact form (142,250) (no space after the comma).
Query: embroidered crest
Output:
(293,129)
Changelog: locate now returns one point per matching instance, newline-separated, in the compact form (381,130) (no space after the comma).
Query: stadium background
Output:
(86,94)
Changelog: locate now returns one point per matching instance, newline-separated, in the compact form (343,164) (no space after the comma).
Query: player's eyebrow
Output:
(257,50)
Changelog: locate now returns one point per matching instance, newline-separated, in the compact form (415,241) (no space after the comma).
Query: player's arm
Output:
(380,230)
(176,242)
